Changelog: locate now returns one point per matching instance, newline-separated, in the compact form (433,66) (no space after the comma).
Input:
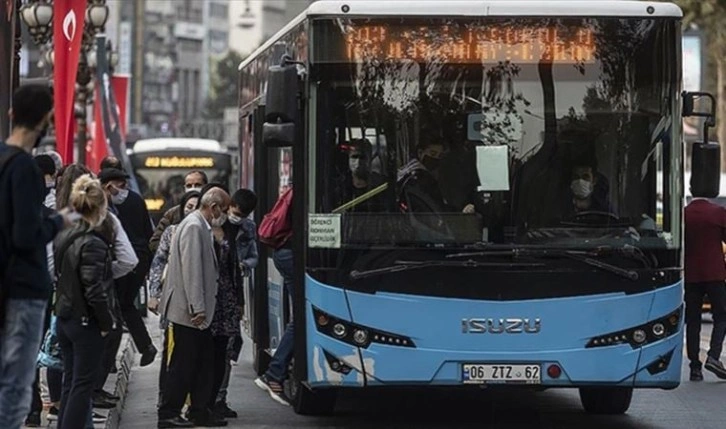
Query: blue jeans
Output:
(277,371)
(20,338)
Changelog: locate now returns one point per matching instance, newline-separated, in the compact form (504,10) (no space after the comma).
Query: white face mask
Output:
(581,188)
(194,189)
(353,164)
(120,197)
(235,220)
(219,221)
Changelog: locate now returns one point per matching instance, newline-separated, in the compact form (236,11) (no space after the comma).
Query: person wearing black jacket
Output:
(134,216)
(24,233)
(84,300)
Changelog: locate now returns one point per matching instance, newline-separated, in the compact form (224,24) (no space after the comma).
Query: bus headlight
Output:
(339,330)
(354,334)
(641,335)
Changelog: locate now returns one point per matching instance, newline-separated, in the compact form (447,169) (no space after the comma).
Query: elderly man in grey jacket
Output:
(188,303)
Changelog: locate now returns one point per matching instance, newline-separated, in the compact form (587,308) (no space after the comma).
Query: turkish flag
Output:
(68,16)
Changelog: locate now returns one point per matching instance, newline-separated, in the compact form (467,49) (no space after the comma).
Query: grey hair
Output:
(213,196)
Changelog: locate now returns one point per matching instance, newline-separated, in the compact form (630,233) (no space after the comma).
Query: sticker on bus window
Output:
(324,230)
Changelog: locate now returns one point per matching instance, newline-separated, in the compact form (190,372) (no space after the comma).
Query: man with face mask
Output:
(418,181)
(361,179)
(188,302)
(131,211)
(194,180)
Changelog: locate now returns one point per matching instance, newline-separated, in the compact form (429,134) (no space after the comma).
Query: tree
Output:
(709,16)
(224,91)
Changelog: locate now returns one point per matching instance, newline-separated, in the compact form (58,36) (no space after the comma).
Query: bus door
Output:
(270,304)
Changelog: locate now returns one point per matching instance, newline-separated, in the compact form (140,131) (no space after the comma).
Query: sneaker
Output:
(176,422)
(222,409)
(716,367)
(274,388)
(33,420)
(696,374)
(52,414)
(98,418)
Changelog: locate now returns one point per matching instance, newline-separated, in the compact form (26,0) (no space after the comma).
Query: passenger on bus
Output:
(361,179)
(193,181)
(418,183)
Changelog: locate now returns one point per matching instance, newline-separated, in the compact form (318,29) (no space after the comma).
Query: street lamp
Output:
(38,16)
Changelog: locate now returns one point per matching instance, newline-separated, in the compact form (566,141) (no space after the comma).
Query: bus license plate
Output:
(500,373)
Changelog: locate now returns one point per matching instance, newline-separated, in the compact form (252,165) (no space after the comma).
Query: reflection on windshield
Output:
(498,131)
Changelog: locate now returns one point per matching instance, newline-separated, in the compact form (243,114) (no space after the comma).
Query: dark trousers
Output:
(164,360)
(127,288)
(82,347)
(190,371)
(219,365)
(111,344)
(695,292)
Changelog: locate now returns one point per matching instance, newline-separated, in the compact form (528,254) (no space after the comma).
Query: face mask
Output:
(358,168)
(219,221)
(120,197)
(194,189)
(235,220)
(50,184)
(431,163)
(581,188)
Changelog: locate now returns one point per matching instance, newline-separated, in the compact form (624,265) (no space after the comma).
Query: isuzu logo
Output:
(500,326)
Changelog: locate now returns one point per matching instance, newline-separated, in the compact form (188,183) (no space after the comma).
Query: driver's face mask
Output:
(581,188)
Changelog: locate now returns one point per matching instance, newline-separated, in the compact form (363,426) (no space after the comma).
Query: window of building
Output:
(218,10)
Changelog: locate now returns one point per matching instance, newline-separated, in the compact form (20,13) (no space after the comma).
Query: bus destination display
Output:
(179,162)
(473,44)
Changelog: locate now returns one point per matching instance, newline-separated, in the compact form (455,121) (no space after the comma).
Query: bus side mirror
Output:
(281,106)
(705,156)
(705,170)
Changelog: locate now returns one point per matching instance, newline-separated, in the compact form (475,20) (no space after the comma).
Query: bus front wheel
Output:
(606,400)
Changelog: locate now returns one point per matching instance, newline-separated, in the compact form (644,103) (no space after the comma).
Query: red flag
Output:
(68,18)
(98,148)
(120,84)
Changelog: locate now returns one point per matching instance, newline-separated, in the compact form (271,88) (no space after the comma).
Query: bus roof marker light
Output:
(345,8)
(650,10)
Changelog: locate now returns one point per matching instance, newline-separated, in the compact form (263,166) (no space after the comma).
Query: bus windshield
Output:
(503,132)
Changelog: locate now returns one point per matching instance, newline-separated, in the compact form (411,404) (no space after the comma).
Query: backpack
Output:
(276,227)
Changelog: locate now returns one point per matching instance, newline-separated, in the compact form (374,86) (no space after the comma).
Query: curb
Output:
(126,363)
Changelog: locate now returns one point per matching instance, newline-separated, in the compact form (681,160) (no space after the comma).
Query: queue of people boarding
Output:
(76,246)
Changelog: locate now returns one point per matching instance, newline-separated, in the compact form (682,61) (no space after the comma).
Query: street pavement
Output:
(691,406)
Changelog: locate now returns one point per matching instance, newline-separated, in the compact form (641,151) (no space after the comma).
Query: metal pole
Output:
(83,78)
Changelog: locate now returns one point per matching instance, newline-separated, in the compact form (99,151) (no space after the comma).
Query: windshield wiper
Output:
(582,256)
(399,266)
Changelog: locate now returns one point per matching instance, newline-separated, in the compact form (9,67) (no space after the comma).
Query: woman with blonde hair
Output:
(85,302)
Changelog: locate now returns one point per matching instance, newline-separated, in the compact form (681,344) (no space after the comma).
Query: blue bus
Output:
(487,194)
